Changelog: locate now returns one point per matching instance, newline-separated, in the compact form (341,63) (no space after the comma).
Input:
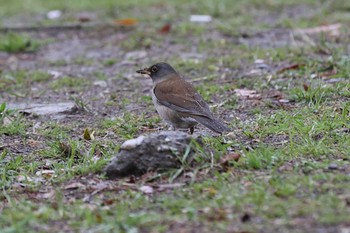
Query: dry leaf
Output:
(306,87)
(108,202)
(126,22)
(211,191)
(88,135)
(146,189)
(248,94)
(47,174)
(74,185)
(49,195)
(165,29)
(332,29)
(67,150)
(225,161)
(291,67)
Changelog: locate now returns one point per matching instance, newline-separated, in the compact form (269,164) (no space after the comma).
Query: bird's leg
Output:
(191,130)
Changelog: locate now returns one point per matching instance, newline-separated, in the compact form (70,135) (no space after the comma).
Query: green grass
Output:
(17,82)
(11,122)
(68,82)
(15,43)
(294,157)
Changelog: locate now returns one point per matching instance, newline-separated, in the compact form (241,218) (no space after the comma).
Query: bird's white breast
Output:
(172,117)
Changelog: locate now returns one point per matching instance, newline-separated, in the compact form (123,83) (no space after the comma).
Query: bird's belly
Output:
(172,117)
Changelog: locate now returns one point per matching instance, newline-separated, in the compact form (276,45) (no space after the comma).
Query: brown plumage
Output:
(177,101)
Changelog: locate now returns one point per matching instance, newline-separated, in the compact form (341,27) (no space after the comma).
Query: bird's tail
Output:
(212,123)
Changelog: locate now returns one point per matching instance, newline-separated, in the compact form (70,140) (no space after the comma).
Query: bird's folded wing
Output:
(179,95)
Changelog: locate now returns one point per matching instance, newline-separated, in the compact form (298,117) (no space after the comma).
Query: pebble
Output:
(333,166)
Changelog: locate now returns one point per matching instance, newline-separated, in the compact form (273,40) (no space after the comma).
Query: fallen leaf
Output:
(83,19)
(126,22)
(21,178)
(332,29)
(225,161)
(248,94)
(291,67)
(88,135)
(98,188)
(67,150)
(49,195)
(306,87)
(211,191)
(328,73)
(47,174)
(74,185)
(146,189)
(98,218)
(218,214)
(283,101)
(108,202)
(165,29)
(33,143)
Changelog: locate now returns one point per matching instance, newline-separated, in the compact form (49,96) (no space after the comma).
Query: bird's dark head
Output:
(158,72)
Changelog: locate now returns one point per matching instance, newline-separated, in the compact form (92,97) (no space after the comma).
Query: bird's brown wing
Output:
(179,95)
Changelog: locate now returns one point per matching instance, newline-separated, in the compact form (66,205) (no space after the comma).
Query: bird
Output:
(177,101)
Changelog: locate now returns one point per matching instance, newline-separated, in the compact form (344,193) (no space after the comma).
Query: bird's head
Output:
(158,72)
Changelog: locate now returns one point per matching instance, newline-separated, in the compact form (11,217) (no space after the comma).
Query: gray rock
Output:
(156,151)
(44,109)
(333,166)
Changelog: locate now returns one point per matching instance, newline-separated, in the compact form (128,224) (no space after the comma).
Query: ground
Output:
(276,72)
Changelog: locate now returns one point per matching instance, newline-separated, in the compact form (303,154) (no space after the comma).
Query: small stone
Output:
(7,121)
(132,143)
(201,18)
(333,166)
(54,14)
(100,83)
(146,189)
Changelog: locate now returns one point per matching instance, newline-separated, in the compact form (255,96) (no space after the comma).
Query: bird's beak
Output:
(144,71)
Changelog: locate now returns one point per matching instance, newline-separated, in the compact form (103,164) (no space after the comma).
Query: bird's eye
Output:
(154,69)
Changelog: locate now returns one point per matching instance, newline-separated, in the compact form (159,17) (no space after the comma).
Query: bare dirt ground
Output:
(91,72)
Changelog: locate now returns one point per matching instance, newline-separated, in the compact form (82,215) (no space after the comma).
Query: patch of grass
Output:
(128,125)
(21,80)
(109,62)
(11,122)
(72,83)
(59,62)
(9,168)
(83,61)
(15,43)
(283,176)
